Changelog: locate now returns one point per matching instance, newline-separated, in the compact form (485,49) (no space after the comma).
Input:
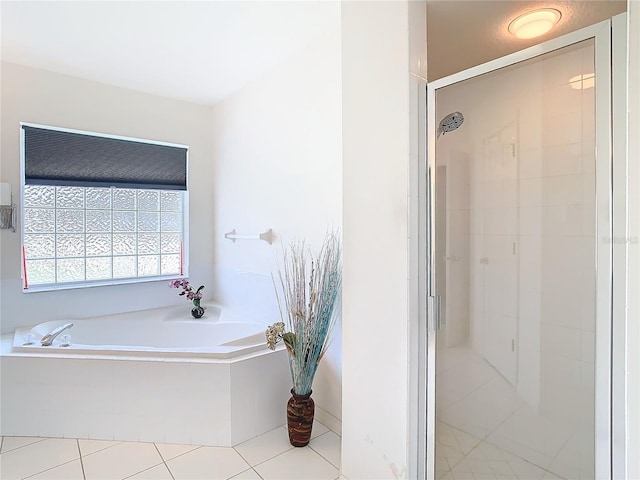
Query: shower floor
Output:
(485,431)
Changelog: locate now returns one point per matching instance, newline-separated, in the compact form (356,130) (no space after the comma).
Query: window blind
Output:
(57,157)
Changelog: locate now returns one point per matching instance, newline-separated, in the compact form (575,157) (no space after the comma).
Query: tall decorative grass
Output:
(309,302)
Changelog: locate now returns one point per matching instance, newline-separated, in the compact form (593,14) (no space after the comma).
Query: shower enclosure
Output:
(519,281)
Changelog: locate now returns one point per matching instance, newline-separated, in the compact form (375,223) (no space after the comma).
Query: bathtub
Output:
(163,332)
(152,376)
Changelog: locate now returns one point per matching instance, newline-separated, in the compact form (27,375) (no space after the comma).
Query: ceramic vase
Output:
(300,411)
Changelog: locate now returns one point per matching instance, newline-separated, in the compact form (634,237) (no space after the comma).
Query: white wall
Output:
(379,233)
(277,164)
(633,327)
(37,96)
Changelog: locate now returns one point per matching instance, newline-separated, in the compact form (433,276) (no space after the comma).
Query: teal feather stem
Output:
(310,289)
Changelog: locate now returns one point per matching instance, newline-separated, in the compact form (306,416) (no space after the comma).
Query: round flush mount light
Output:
(535,23)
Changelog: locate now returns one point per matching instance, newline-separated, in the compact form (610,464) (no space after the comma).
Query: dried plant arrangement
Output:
(308,291)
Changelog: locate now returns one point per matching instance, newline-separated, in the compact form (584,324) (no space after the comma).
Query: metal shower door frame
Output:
(601,33)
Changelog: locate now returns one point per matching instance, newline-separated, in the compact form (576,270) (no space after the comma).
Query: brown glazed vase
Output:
(300,411)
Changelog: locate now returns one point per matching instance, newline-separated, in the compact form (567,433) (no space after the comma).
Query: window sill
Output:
(98,283)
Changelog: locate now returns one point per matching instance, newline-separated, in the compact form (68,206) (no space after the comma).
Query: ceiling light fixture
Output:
(535,23)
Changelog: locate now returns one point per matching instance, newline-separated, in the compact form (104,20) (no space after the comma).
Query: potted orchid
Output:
(194,295)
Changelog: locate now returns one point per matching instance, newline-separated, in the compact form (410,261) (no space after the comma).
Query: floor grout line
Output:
(467,395)
(485,441)
(485,438)
(100,450)
(195,447)
(84,476)
(268,459)
(41,439)
(245,471)
(242,457)
(165,462)
(149,468)
(322,456)
(50,468)
(291,447)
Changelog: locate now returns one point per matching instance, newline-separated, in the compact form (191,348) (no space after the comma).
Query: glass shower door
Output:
(515,270)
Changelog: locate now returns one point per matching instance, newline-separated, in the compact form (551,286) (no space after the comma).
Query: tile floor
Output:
(485,431)
(268,457)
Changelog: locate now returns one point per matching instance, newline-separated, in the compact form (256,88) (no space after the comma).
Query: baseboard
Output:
(332,423)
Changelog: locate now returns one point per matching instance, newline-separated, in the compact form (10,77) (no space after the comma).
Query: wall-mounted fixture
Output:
(450,123)
(535,23)
(267,236)
(7,209)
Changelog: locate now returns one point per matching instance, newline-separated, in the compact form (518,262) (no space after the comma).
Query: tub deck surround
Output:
(161,332)
(216,391)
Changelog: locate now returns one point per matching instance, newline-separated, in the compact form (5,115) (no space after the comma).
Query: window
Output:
(97,212)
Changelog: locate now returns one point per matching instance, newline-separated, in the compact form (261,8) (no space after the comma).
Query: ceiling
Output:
(203,51)
(198,51)
(466,33)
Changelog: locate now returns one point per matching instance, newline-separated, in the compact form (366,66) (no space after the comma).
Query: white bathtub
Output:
(164,332)
(152,376)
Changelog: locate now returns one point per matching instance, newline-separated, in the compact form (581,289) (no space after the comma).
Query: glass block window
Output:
(89,235)
(100,209)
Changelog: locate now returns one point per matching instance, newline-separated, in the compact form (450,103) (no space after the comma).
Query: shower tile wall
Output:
(520,252)
(457,238)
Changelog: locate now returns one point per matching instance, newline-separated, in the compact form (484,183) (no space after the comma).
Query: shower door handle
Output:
(435,313)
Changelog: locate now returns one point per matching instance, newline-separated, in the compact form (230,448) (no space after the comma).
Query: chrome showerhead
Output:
(450,123)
